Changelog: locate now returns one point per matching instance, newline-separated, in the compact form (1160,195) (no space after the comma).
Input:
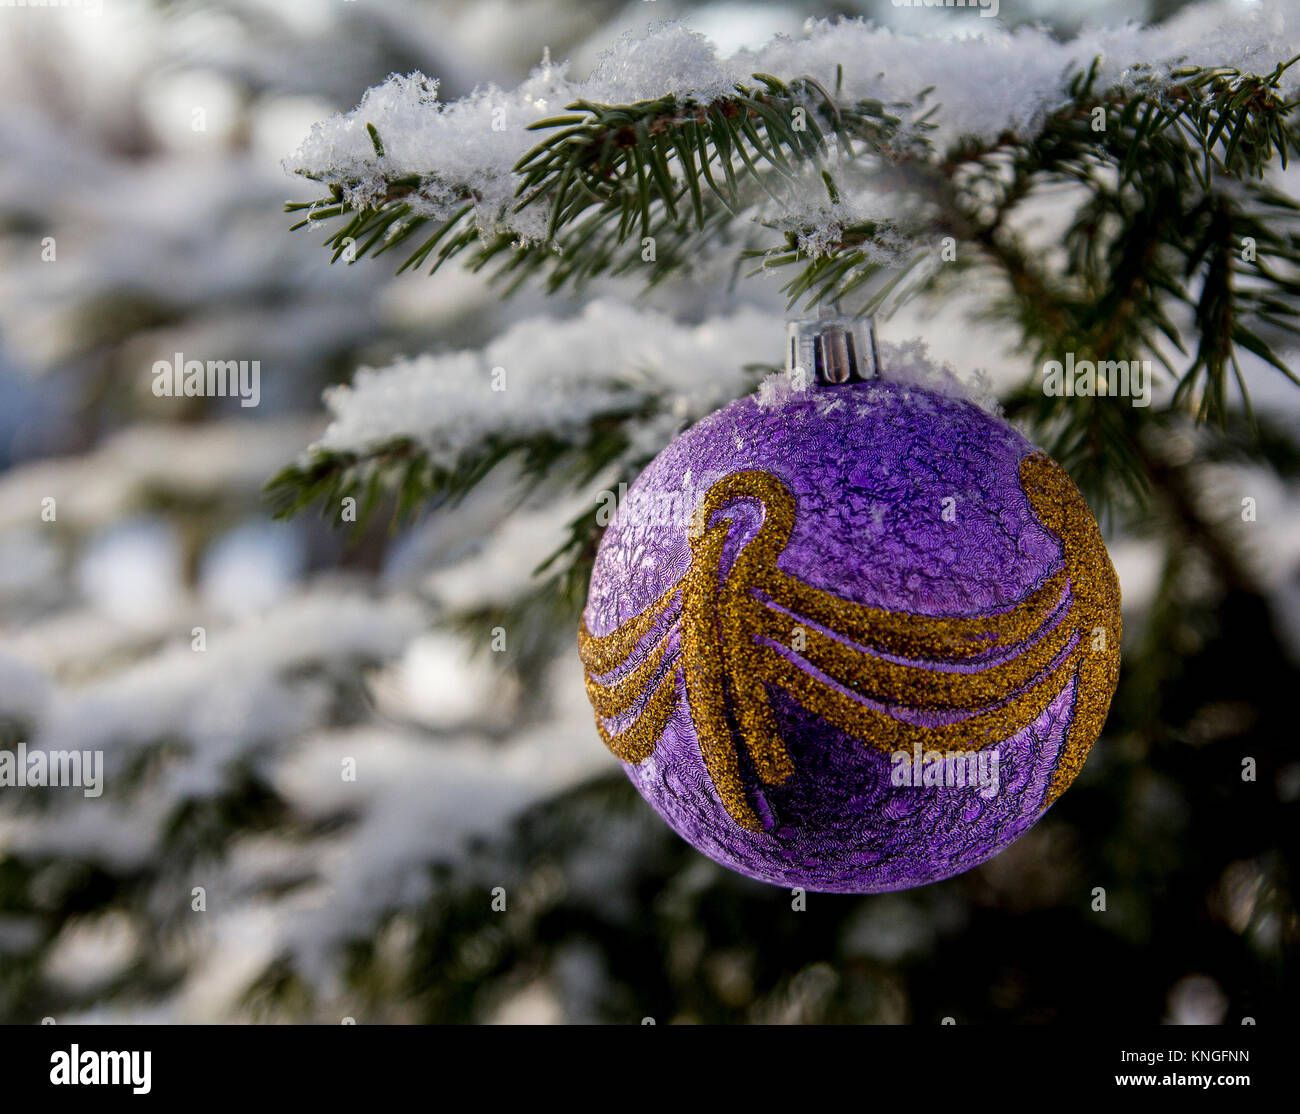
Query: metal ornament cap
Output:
(832,348)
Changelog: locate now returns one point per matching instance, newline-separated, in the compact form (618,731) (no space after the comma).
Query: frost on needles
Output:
(857,166)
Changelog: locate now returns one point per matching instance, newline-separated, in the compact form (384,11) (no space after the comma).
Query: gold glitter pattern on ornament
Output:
(602,655)
(917,686)
(638,742)
(1094,612)
(706,673)
(1067,629)
(615,698)
(920,636)
(737,610)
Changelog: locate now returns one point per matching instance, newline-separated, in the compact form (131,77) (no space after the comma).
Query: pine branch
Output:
(1180,250)
(610,174)
(399,473)
(1175,221)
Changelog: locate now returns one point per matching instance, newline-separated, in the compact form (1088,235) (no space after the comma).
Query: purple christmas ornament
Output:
(854,638)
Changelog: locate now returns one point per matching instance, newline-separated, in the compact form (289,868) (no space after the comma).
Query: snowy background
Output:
(141,194)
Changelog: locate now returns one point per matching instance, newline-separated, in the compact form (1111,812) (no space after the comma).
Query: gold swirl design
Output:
(731,624)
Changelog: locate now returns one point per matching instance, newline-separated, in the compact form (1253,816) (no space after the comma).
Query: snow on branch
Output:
(464,153)
(228,459)
(256,683)
(241,689)
(605,389)
(871,155)
(552,377)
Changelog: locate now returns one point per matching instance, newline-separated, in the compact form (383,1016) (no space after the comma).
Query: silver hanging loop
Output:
(832,348)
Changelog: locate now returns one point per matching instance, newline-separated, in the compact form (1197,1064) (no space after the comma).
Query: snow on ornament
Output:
(853,637)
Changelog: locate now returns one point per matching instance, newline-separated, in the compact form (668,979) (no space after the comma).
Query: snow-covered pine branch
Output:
(634,375)
(222,770)
(466,171)
(985,87)
(859,161)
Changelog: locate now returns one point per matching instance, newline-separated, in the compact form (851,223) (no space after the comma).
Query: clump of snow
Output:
(818,223)
(911,364)
(669,60)
(461,148)
(995,81)
(780,388)
(552,376)
(469,147)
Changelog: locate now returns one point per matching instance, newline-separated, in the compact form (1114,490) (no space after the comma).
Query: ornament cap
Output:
(832,348)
